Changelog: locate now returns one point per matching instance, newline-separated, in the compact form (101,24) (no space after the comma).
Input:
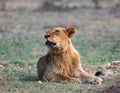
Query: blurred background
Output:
(93,18)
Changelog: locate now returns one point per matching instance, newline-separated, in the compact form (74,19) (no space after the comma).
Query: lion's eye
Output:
(57,31)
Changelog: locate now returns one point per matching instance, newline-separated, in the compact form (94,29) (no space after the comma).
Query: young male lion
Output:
(62,62)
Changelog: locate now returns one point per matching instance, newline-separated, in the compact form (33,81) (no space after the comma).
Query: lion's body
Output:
(62,62)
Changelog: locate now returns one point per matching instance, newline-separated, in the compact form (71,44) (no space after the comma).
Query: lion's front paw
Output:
(96,80)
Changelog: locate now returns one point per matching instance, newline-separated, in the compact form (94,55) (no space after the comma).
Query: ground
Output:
(22,43)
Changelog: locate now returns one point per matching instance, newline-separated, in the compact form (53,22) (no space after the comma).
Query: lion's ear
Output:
(70,31)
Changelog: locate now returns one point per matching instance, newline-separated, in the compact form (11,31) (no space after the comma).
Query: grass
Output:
(21,45)
(97,52)
(18,51)
(18,58)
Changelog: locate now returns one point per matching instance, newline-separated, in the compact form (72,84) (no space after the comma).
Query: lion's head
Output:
(58,38)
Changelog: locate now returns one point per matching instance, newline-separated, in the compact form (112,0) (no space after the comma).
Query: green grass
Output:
(97,52)
(20,51)
(19,74)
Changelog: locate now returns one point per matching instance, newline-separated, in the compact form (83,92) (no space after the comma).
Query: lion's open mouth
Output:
(49,43)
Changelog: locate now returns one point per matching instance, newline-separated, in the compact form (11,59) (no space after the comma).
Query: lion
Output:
(62,61)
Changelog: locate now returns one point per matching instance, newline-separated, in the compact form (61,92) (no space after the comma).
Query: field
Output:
(21,45)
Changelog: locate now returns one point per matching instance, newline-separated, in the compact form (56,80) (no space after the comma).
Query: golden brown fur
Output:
(62,62)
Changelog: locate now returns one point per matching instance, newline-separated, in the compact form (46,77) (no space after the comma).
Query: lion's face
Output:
(58,38)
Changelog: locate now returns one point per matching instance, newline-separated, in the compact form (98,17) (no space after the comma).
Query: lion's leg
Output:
(65,78)
(50,75)
(88,78)
(41,66)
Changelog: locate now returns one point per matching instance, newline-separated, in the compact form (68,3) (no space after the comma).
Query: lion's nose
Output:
(46,36)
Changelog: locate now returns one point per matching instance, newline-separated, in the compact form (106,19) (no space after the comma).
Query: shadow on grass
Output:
(115,88)
(30,78)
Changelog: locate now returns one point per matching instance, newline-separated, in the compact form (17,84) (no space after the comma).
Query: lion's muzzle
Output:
(49,43)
